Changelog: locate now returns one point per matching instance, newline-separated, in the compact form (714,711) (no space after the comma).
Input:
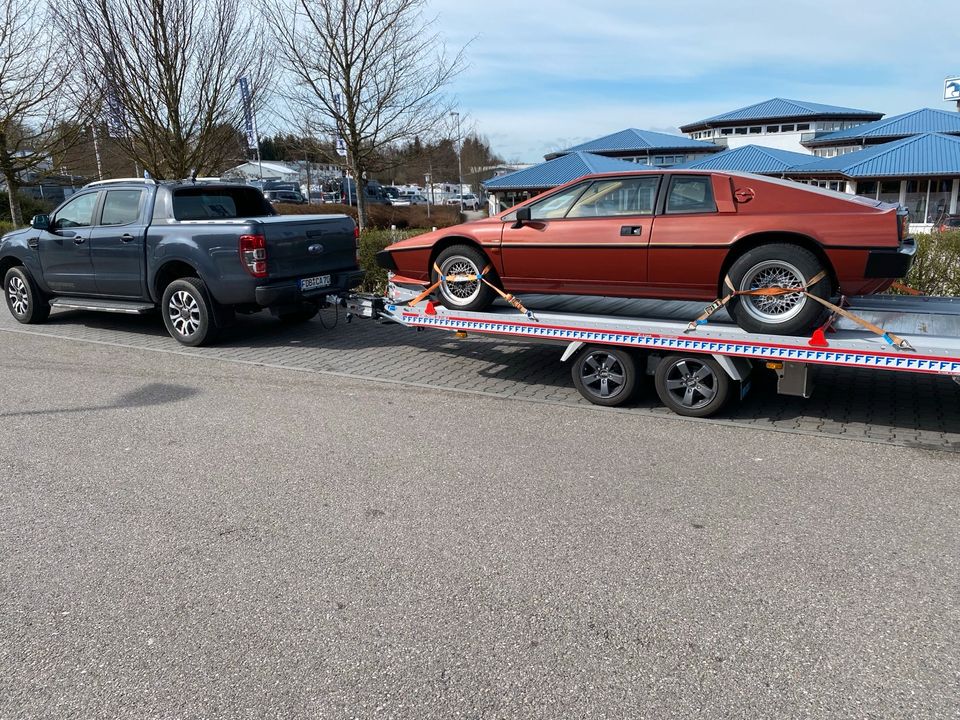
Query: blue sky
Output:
(544,75)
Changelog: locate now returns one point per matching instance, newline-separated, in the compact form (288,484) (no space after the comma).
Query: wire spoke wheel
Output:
(773,308)
(19,298)
(459,292)
(184,312)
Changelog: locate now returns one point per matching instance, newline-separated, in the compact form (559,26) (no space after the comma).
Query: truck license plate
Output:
(321,281)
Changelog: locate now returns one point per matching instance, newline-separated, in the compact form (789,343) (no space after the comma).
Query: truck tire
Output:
(463,260)
(777,265)
(692,385)
(605,375)
(188,312)
(26,301)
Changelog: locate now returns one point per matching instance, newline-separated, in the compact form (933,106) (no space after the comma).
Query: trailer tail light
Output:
(253,254)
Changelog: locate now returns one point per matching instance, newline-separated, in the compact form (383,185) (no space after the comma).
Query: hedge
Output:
(936,268)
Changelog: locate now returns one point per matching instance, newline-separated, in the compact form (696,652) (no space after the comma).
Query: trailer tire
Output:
(605,375)
(692,385)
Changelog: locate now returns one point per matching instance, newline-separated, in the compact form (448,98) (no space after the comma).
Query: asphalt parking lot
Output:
(269,528)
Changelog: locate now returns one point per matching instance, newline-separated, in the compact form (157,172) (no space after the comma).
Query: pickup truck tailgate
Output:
(299,245)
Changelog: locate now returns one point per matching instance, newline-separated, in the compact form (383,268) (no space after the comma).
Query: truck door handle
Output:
(631,230)
(33,244)
(77,240)
(126,238)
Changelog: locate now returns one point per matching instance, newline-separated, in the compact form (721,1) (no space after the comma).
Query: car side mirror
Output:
(40,222)
(523,215)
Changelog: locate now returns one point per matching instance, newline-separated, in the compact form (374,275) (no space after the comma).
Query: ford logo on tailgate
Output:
(315,248)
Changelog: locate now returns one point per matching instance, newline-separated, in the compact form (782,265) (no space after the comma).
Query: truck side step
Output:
(111,306)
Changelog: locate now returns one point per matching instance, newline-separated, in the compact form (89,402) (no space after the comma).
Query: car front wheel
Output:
(24,299)
(778,265)
(463,260)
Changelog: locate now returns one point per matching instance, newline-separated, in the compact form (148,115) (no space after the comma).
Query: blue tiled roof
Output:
(927,154)
(633,140)
(752,159)
(924,120)
(559,171)
(782,108)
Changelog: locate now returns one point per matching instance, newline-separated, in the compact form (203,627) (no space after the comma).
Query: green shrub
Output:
(6,227)
(29,206)
(372,242)
(936,267)
(381,217)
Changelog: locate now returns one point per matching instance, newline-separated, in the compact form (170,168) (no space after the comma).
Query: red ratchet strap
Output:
(894,340)
(470,277)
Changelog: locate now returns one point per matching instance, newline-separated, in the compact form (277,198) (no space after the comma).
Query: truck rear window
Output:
(218,203)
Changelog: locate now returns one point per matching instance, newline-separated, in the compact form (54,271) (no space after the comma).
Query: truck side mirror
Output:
(523,215)
(40,222)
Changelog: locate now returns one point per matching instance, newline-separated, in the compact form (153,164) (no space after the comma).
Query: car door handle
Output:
(631,230)
(126,238)
(77,240)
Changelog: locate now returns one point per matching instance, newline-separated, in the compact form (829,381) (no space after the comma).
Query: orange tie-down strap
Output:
(470,277)
(894,340)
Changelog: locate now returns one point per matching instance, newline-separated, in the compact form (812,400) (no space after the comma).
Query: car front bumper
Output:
(288,292)
(891,263)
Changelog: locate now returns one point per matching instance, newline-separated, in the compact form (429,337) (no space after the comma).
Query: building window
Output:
(740,131)
(868,188)
(773,128)
(755,130)
(803,126)
(726,131)
(786,128)
(889,191)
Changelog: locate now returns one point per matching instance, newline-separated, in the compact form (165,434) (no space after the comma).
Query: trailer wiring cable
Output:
(889,337)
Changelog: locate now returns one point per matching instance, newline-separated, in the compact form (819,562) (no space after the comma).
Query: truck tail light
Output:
(356,241)
(253,254)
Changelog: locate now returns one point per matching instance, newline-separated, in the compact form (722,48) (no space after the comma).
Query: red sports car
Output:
(673,235)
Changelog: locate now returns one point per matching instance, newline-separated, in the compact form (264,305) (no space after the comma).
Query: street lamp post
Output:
(459,161)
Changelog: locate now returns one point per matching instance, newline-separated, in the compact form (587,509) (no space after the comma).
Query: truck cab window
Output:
(200,203)
(76,213)
(121,207)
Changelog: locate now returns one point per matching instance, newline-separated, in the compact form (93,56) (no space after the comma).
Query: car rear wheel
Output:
(188,312)
(777,265)
(463,294)
(24,299)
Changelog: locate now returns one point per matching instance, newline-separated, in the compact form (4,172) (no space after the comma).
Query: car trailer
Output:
(696,372)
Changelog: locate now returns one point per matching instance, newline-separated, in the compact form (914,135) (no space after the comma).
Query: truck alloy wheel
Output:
(24,299)
(186,309)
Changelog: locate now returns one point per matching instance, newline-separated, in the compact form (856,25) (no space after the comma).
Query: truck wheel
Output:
(26,302)
(777,265)
(605,375)
(468,295)
(692,385)
(188,312)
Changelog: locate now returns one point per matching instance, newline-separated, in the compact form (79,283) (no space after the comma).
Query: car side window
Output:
(557,205)
(121,207)
(690,194)
(78,212)
(617,196)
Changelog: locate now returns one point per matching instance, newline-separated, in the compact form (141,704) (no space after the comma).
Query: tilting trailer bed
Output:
(611,343)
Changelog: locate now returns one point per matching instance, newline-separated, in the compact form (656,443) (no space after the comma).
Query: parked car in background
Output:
(196,252)
(291,197)
(950,223)
(470,201)
(407,200)
(674,235)
(330,198)
(373,193)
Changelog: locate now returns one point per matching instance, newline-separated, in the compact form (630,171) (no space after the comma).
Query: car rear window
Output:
(225,203)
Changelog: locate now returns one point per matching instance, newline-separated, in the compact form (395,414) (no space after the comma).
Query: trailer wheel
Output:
(604,375)
(692,385)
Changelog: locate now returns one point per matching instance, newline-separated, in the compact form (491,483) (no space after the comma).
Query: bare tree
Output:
(168,70)
(371,72)
(39,100)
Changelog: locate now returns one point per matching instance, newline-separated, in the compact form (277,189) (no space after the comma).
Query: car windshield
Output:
(218,203)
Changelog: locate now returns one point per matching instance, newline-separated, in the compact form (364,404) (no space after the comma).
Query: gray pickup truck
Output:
(197,251)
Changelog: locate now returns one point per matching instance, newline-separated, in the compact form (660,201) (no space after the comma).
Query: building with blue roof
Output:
(644,146)
(921,172)
(897,127)
(752,159)
(778,123)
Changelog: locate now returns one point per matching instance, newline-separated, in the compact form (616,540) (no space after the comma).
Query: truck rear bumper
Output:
(288,292)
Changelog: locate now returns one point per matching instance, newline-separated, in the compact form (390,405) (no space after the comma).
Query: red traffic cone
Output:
(430,309)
